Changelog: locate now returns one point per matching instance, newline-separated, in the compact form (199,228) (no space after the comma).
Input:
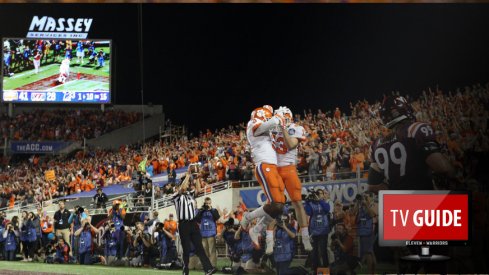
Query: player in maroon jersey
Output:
(407,159)
(409,155)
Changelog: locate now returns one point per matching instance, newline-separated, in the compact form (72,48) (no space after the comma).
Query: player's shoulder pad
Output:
(297,131)
(253,124)
(420,130)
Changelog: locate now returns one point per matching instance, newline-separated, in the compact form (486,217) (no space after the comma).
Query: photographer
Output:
(100,199)
(246,249)
(10,234)
(85,234)
(160,238)
(141,244)
(113,245)
(117,215)
(228,235)
(283,250)
(76,218)
(207,217)
(342,246)
(62,252)
(365,213)
(318,211)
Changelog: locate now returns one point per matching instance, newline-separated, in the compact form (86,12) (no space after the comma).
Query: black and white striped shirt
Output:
(185,205)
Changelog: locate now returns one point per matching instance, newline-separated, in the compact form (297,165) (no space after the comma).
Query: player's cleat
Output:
(212,271)
(307,243)
(269,249)
(255,237)
(245,221)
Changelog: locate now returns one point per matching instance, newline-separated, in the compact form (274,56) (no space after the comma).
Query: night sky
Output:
(210,65)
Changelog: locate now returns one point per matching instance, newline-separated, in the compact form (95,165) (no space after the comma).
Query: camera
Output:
(205,207)
(312,196)
(229,223)
(280,222)
(159,227)
(79,210)
(358,198)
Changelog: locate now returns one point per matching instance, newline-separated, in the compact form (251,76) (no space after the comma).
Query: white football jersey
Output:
(261,146)
(285,156)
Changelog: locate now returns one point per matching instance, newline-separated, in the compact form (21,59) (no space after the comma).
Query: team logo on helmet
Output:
(394,110)
(261,113)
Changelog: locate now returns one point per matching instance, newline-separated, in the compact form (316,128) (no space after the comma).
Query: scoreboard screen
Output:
(56,71)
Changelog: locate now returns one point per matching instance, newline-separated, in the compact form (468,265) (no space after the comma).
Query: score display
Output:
(56,97)
(56,71)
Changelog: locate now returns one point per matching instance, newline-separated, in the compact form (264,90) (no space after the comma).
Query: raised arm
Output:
(267,125)
(185,183)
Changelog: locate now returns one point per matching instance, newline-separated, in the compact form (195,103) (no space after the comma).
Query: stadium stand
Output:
(340,142)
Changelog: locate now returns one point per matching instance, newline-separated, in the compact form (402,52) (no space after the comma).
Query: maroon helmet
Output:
(395,109)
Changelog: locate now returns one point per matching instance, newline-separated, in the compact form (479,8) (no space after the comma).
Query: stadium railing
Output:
(224,185)
(50,206)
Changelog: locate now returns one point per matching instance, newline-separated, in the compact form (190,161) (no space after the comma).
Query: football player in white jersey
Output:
(285,140)
(265,159)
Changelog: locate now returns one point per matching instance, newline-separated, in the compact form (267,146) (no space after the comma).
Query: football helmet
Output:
(261,113)
(268,107)
(395,109)
(286,113)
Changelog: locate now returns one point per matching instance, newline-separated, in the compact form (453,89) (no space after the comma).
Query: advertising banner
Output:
(36,147)
(344,191)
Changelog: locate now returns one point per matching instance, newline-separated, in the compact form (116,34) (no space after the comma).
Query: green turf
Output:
(99,269)
(82,85)
(83,270)
(26,77)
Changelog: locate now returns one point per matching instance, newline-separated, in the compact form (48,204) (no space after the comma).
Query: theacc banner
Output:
(36,147)
(344,191)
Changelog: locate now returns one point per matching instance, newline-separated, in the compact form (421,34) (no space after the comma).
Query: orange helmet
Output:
(114,202)
(262,114)
(268,107)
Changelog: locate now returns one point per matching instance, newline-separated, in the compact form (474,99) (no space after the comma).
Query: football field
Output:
(82,78)
(44,269)
(25,268)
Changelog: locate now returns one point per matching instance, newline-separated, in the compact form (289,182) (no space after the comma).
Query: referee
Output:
(188,227)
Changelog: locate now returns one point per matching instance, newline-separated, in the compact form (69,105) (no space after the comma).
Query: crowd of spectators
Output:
(337,146)
(64,125)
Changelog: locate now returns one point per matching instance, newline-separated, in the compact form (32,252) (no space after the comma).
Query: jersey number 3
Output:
(397,154)
(278,144)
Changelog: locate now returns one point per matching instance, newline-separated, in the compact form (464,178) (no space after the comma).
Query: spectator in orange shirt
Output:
(356,160)
(170,225)
(221,171)
(46,227)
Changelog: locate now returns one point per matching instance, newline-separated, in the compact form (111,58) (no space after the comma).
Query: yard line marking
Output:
(60,85)
(43,68)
